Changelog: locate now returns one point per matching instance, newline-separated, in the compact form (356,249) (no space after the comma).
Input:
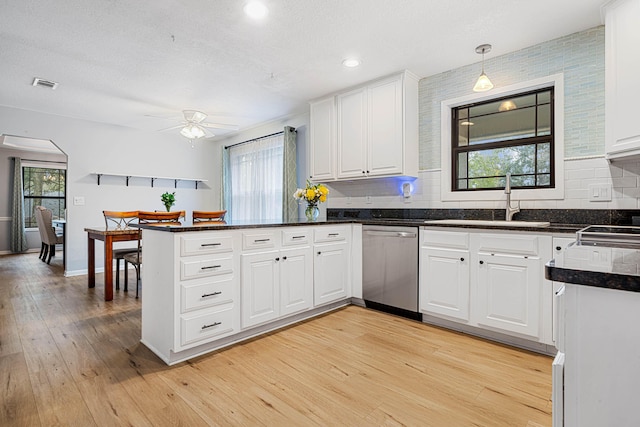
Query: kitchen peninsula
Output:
(600,311)
(207,287)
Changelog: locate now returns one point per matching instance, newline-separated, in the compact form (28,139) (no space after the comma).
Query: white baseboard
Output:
(28,251)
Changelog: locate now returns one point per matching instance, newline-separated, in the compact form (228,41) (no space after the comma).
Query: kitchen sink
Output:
(482,222)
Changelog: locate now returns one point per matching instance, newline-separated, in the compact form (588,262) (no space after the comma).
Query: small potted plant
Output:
(168,200)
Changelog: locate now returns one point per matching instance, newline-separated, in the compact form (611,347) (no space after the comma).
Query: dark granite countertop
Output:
(599,266)
(409,222)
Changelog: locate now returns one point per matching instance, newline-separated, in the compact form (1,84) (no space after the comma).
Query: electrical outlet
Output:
(368,200)
(349,201)
(78,201)
(599,192)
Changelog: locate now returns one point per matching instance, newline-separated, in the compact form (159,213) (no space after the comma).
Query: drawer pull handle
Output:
(261,240)
(210,244)
(298,237)
(334,234)
(212,294)
(210,267)
(211,325)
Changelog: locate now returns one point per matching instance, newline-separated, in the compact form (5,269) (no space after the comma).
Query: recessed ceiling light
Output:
(256,10)
(351,62)
(49,84)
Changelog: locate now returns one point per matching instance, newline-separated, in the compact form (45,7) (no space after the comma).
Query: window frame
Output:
(446,125)
(456,149)
(44,165)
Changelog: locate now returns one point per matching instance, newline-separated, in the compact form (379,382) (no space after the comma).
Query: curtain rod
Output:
(260,137)
(43,161)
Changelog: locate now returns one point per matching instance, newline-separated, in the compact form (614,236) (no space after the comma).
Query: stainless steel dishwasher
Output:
(390,269)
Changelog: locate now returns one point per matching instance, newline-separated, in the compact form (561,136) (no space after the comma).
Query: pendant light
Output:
(483,84)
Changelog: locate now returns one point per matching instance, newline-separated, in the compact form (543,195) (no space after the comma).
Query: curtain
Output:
(254,181)
(289,176)
(225,191)
(18,236)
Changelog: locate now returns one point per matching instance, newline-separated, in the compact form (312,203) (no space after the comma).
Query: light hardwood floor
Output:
(67,357)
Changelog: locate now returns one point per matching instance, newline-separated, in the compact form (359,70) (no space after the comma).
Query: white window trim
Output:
(557,193)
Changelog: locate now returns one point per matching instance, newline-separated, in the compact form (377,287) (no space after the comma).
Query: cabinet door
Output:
(330,273)
(508,293)
(622,89)
(444,282)
(260,288)
(323,140)
(352,133)
(296,280)
(385,149)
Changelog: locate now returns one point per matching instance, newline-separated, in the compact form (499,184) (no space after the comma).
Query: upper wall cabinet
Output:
(368,131)
(622,38)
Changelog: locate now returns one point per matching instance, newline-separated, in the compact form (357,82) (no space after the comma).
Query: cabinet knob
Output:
(461,259)
(481,262)
(367,171)
(558,248)
(284,257)
(363,172)
(278,259)
(319,252)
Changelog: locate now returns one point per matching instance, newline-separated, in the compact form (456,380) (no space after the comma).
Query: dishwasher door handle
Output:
(404,234)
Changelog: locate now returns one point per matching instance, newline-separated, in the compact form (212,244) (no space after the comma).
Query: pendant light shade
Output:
(192,131)
(483,84)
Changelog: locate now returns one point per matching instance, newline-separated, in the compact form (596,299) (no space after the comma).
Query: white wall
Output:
(97,147)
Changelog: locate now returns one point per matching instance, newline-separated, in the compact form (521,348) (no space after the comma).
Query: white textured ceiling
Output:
(120,61)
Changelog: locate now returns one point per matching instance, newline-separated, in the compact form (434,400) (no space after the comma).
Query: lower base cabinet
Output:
(330,273)
(493,281)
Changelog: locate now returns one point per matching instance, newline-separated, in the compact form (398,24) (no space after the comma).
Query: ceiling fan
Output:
(194,127)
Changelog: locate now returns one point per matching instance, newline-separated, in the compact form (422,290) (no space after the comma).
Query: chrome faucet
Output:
(507,190)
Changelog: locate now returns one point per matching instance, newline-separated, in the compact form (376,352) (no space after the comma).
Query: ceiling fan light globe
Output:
(192,131)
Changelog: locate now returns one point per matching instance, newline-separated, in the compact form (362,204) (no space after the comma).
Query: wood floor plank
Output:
(67,357)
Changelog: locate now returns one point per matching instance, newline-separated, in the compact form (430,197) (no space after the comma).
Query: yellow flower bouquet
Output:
(312,194)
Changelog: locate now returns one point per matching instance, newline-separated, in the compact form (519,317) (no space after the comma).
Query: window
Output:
(256,179)
(512,134)
(43,187)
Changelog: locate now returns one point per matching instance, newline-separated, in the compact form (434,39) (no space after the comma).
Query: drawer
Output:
(206,267)
(330,234)
(205,326)
(258,240)
(296,237)
(208,294)
(211,243)
(445,239)
(508,244)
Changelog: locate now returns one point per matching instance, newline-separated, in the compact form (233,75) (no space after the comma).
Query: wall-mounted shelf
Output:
(152,178)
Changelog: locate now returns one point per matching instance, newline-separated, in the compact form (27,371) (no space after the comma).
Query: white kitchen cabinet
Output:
(622,61)
(276,282)
(331,272)
(193,290)
(376,131)
(444,274)
(322,153)
(493,281)
(559,246)
(260,288)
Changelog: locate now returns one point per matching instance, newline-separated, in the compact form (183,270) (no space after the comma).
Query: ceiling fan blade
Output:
(194,116)
(172,127)
(219,126)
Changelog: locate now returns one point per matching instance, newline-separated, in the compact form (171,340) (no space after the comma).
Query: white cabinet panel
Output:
(322,151)
(385,150)
(205,243)
(331,273)
(209,293)
(205,326)
(444,282)
(622,61)
(260,288)
(509,293)
(296,280)
(352,133)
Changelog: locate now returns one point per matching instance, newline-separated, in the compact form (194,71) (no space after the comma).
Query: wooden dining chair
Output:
(208,217)
(119,220)
(150,218)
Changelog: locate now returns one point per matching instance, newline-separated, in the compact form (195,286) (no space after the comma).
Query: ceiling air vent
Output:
(44,83)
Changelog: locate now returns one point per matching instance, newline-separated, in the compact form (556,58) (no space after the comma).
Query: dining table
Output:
(109,237)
